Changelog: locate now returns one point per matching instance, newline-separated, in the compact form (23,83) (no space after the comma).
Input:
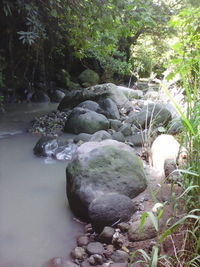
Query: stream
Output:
(36,223)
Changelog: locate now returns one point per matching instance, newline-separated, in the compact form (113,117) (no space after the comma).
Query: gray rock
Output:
(148,231)
(137,139)
(175,127)
(106,235)
(52,147)
(46,146)
(120,256)
(78,253)
(88,77)
(65,152)
(95,93)
(40,97)
(169,166)
(110,209)
(171,171)
(85,263)
(108,251)
(73,98)
(85,121)
(152,95)
(118,136)
(115,124)
(123,227)
(131,93)
(82,137)
(119,264)
(95,259)
(91,105)
(100,167)
(57,96)
(95,248)
(155,114)
(110,108)
(100,135)
(82,240)
(126,129)
(88,228)
(143,86)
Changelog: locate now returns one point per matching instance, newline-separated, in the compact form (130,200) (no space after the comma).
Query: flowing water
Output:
(36,223)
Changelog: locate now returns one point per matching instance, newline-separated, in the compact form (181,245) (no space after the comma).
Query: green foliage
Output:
(150,55)
(103,30)
(186,62)
(106,30)
(186,56)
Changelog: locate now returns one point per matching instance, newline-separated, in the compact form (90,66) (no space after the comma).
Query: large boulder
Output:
(103,167)
(153,113)
(95,93)
(110,209)
(85,121)
(88,77)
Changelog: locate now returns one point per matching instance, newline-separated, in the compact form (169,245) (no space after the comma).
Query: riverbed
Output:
(36,223)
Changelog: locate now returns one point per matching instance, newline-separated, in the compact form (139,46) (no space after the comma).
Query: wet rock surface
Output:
(48,146)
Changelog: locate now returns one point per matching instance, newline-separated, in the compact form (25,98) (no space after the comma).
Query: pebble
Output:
(106,235)
(95,259)
(95,248)
(123,227)
(88,228)
(120,256)
(82,241)
(117,240)
(109,251)
(78,253)
(119,264)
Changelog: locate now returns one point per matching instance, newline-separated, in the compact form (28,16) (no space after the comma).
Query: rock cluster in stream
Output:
(104,173)
(112,247)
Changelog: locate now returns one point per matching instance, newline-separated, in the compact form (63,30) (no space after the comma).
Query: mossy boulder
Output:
(100,168)
(85,121)
(88,78)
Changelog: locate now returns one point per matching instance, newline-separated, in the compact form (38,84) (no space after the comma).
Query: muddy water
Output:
(35,220)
